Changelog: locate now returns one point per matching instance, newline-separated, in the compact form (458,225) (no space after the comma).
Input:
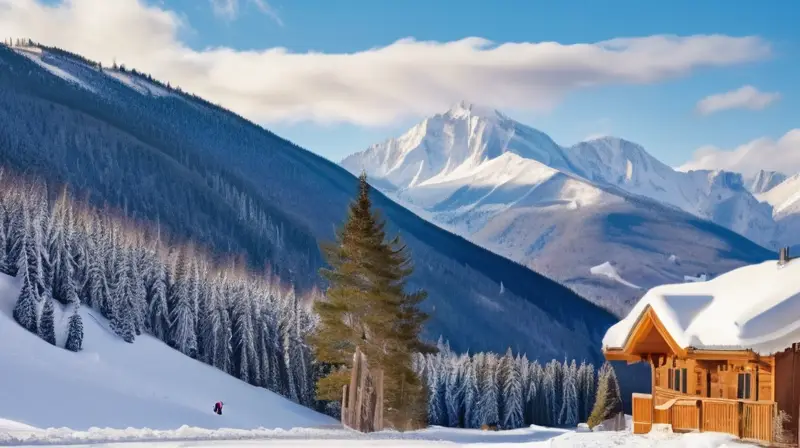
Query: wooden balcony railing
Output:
(748,420)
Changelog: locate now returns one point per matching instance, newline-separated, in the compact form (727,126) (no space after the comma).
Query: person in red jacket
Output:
(218,408)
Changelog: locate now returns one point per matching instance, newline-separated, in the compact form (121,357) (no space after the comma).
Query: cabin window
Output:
(744,386)
(677,380)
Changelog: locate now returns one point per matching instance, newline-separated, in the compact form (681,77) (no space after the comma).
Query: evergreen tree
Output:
(512,403)
(25,311)
(243,340)
(608,401)
(367,306)
(74,332)
(541,413)
(489,402)
(471,396)
(437,405)
(569,404)
(224,342)
(454,392)
(549,391)
(182,313)
(158,311)
(47,329)
(122,311)
(138,292)
(586,390)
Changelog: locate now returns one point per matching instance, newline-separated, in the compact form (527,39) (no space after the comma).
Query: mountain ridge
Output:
(501,179)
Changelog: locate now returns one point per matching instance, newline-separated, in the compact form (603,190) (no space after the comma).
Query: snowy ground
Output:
(12,433)
(114,384)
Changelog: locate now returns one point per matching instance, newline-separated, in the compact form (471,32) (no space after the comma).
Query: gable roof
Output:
(755,307)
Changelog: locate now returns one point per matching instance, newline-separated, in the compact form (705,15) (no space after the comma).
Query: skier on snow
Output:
(218,408)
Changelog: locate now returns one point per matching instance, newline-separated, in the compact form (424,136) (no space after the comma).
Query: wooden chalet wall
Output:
(719,379)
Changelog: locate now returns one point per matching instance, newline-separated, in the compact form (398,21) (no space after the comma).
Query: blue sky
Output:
(660,116)
(331,76)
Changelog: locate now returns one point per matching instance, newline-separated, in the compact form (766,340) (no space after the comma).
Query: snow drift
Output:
(754,307)
(115,384)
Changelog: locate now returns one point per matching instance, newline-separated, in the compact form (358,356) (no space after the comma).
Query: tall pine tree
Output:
(367,306)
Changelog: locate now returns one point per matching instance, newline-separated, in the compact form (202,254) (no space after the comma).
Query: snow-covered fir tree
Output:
(74,332)
(47,329)
(489,403)
(454,392)
(569,402)
(586,389)
(25,310)
(511,397)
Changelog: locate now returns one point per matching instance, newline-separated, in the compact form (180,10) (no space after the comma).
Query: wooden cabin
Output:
(724,356)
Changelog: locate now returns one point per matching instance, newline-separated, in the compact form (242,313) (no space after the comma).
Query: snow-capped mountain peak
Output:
(454,143)
(466,109)
(764,181)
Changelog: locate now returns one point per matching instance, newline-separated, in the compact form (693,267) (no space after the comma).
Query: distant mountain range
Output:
(603,217)
(122,140)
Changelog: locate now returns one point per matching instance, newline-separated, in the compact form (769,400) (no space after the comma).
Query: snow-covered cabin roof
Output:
(755,307)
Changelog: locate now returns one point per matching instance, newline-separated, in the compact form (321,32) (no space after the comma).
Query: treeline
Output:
(468,391)
(247,325)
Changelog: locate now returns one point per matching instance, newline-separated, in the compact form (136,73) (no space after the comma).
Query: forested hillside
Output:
(201,174)
(244,323)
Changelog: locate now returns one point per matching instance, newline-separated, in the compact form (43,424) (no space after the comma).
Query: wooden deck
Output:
(748,420)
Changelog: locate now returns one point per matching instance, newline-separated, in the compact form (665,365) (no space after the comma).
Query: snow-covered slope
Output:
(563,211)
(754,307)
(111,383)
(718,196)
(785,201)
(764,181)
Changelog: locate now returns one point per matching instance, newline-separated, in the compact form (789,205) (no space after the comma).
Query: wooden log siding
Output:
(642,413)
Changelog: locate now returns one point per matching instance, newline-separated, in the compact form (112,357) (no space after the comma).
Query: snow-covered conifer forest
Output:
(246,324)
(468,391)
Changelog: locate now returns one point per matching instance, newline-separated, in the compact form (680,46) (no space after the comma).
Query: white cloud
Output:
(377,86)
(746,97)
(229,9)
(764,153)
